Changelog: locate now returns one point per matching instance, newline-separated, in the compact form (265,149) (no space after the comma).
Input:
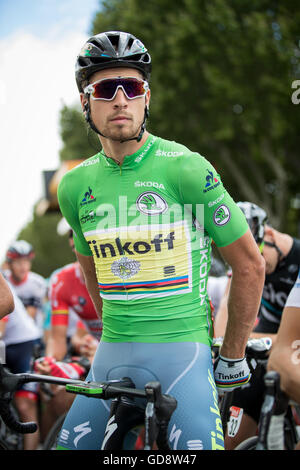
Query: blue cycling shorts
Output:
(18,360)
(184,370)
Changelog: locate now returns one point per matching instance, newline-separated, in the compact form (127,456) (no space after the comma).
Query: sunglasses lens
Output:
(106,89)
(133,88)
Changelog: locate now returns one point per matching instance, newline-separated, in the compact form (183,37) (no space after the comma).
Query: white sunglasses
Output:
(106,89)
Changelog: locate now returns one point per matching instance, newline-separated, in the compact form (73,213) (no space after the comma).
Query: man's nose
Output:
(120,98)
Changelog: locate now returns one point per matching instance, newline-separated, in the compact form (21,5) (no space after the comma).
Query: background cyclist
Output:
(75,330)
(282,255)
(20,334)
(285,355)
(29,286)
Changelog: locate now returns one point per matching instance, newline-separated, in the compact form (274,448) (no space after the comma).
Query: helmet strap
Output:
(279,252)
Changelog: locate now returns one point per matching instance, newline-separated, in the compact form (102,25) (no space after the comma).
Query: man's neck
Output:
(16,280)
(117,150)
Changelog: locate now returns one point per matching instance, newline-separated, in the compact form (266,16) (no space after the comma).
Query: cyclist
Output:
(282,256)
(75,329)
(285,356)
(6,298)
(19,333)
(70,300)
(29,286)
(135,209)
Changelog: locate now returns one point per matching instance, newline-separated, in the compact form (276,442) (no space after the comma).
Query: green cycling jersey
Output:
(149,224)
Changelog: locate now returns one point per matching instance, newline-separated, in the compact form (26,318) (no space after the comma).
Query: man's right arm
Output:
(248,274)
(57,342)
(6,298)
(221,315)
(88,268)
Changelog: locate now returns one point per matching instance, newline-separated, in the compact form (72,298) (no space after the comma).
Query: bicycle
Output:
(255,351)
(125,413)
(10,440)
(277,429)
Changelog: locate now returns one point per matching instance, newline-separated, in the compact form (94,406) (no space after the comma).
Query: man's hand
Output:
(49,366)
(43,365)
(231,373)
(88,346)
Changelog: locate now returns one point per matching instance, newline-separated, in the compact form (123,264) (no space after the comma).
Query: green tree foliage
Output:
(222,84)
(52,250)
(78,141)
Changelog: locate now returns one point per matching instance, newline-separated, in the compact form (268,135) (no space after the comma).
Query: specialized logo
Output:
(83,428)
(110,429)
(163,153)
(174,436)
(211,182)
(221,215)
(88,197)
(125,268)
(151,203)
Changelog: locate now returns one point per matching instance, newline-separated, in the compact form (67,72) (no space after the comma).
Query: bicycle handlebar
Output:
(156,419)
(10,420)
(256,348)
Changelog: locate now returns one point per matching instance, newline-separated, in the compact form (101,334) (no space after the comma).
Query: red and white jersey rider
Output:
(67,293)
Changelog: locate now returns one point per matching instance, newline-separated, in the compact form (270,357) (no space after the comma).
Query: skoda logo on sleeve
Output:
(151,203)
(221,215)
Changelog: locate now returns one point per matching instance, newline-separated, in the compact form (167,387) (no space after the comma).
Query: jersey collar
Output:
(130,161)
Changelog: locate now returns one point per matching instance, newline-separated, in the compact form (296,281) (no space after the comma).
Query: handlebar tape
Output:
(10,420)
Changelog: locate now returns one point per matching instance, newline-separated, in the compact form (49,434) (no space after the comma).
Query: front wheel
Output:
(248,444)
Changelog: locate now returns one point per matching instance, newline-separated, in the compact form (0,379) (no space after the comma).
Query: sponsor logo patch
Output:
(151,203)
(221,215)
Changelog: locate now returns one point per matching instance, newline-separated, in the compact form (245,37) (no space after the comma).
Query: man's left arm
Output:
(6,298)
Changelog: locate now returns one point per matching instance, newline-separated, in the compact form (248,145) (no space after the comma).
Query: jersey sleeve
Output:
(201,186)
(59,306)
(293,299)
(68,207)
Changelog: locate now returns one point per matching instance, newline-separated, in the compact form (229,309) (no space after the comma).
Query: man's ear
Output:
(85,106)
(84,102)
(148,95)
